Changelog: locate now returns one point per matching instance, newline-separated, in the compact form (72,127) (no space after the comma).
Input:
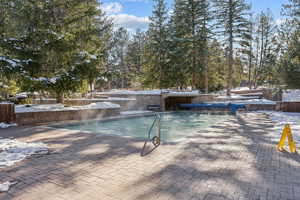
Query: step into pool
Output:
(174,125)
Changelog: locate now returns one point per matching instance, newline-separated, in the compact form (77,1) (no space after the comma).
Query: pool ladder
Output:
(155,139)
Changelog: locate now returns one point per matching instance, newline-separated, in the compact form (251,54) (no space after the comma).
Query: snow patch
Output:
(61,107)
(240,89)
(291,96)
(13,151)
(134,112)
(5,125)
(12,62)
(22,95)
(257,102)
(235,96)
(149,92)
(4,187)
(282,118)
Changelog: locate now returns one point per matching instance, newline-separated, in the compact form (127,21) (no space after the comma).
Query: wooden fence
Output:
(289,106)
(7,113)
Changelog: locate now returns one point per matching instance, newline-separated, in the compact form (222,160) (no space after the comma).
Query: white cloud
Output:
(131,22)
(112,7)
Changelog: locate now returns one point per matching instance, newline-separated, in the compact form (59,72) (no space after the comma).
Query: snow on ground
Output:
(282,118)
(291,96)
(119,99)
(93,99)
(256,102)
(134,112)
(240,89)
(235,96)
(4,125)
(149,92)
(12,151)
(4,187)
(61,107)
(5,102)
(249,102)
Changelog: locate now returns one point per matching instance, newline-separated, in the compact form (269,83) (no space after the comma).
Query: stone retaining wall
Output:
(27,118)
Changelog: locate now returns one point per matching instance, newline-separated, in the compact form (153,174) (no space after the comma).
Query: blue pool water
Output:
(174,126)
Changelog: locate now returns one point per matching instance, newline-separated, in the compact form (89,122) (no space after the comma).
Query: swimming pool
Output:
(174,125)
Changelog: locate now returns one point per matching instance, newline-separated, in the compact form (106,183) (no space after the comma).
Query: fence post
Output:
(7,112)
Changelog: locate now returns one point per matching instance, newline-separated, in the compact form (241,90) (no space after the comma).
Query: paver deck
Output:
(233,160)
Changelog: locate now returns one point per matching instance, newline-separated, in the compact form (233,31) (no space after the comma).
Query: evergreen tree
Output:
(51,54)
(290,62)
(290,45)
(118,66)
(217,71)
(134,57)
(247,49)
(156,47)
(232,22)
(265,54)
(292,9)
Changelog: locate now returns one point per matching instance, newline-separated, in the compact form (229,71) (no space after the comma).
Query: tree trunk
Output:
(230,65)
(60,98)
(206,79)
(91,89)
(194,78)
(206,72)
(230,59)
(250,68)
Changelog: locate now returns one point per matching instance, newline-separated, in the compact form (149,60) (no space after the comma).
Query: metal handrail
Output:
(157,118)
(156,139)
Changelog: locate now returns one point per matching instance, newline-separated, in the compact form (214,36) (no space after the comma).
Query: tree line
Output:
(65,46)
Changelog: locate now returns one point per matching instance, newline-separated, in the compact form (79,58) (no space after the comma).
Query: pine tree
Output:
(292,9)
(265,38)
(51,54)
(247,49)
(134,57)
(290,50)
(156,47)
(232,22)
(217,71)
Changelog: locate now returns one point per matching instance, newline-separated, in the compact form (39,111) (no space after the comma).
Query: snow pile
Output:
(11,62)
(61,107)
(134,112)
(12,151)
(4,187)
(257,102)
(5,102)
(100,105)
(149,92)
(291,96)
(120,99)
(235,96)
(21,95)
(240,89)
(4,125)
(282,118)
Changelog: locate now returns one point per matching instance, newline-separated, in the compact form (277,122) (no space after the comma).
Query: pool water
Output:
(174,126)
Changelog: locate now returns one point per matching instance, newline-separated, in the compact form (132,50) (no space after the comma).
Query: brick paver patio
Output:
(232,160)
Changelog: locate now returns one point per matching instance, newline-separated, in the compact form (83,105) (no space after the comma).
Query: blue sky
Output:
(133,14)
